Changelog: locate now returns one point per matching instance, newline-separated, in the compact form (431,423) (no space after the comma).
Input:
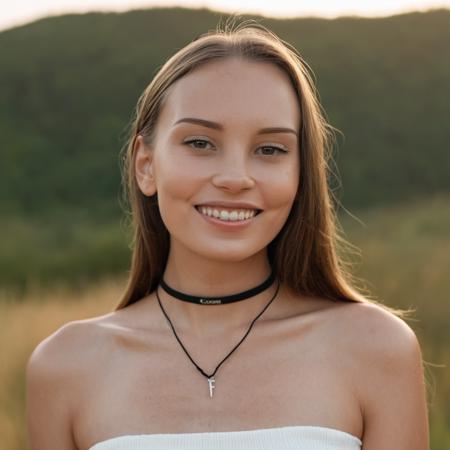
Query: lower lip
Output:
(228,225)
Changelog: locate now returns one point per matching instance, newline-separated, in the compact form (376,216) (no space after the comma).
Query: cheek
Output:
(281,190)
(291,180)
(176,183)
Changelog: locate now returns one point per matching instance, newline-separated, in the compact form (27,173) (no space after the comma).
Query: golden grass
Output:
(405,256)
(23,324)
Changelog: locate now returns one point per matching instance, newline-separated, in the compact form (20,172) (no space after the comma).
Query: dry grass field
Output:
(405,256)
(24,323)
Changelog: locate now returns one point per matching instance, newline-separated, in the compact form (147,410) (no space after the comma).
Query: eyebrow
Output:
(218,126)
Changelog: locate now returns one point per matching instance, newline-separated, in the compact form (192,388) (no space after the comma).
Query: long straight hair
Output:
(308,253)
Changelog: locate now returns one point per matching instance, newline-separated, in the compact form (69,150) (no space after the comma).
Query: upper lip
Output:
(225,204)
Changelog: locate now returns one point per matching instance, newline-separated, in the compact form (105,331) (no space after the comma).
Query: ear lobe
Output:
(143,167)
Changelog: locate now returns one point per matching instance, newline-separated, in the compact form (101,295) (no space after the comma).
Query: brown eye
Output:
(200,144)
(269,150)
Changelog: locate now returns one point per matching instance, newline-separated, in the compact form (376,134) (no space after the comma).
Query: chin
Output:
(229,254)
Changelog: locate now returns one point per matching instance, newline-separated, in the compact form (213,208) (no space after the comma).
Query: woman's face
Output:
(226,144)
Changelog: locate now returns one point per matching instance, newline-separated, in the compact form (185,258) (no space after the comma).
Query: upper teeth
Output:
(222,214)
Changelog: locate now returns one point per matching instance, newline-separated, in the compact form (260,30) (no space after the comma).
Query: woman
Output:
(239,327)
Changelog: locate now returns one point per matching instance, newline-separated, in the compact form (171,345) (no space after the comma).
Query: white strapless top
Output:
(301,437)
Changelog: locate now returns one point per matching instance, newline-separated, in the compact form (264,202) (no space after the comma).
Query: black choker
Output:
(222,300)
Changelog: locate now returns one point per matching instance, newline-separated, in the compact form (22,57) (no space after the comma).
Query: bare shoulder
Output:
(377,340)
(364,328)
(376,331)
(387,361)
(60,363)
(79,351)
(55,373)
(64,350)
(81,346)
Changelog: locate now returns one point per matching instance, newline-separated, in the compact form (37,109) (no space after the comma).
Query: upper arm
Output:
(393,389)
(48,392)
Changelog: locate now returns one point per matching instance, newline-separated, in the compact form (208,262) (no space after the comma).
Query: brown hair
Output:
(305,253)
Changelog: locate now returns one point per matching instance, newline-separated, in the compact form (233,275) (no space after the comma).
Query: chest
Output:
(290,376)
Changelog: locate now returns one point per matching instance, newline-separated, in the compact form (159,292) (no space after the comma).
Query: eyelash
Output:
(279,149)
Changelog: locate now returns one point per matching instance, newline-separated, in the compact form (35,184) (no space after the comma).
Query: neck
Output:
(207,278)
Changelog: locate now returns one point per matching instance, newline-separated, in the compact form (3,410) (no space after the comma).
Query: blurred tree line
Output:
(69,85)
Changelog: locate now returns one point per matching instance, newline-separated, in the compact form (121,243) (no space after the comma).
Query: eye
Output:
(200,144)
(269,150)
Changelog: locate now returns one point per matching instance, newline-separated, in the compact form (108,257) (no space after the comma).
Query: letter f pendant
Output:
(211,382)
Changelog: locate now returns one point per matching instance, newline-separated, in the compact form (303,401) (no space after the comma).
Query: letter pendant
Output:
(211,382)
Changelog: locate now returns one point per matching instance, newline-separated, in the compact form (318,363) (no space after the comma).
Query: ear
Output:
(143,166)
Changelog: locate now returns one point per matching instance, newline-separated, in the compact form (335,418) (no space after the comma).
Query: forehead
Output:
(235,92)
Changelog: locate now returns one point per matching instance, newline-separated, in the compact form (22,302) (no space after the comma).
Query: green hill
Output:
(68,86)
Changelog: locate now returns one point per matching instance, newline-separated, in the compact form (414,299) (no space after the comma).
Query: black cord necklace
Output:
(211,379)
(200,300)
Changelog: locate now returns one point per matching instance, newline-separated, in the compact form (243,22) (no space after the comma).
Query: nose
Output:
(233,176)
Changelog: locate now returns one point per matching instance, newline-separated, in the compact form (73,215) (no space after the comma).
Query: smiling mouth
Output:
(228,214)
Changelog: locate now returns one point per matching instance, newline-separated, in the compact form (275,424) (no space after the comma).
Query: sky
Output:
(18,12)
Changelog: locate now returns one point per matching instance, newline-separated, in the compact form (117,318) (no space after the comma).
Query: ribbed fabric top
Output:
(300,437)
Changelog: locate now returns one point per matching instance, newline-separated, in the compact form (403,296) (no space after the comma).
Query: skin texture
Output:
(307,361)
